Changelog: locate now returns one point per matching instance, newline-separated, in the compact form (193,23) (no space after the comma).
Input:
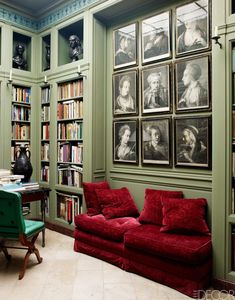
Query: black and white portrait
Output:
(192,84)
(156,37)
(193,142)
(125,46)
(192,27)
(156,89)
(125,93)
(156,141)
(125,141)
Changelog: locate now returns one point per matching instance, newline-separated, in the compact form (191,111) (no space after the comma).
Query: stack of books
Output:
(31,185)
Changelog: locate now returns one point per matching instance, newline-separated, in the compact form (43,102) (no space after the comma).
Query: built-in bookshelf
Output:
(70,133)
(232,203)
(68,206)
(45,134)
(20,119)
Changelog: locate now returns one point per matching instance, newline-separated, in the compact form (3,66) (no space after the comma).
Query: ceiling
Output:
(34,8)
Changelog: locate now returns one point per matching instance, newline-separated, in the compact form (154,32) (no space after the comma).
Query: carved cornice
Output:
(13,17)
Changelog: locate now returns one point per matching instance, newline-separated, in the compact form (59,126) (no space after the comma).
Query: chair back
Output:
(11,218)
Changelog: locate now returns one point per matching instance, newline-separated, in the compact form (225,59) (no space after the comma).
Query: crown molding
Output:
(21,19)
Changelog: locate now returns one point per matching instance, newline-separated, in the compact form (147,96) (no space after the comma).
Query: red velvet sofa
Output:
(149,244)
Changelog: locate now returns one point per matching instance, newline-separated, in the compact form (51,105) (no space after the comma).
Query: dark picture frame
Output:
(125,93)
(125,46)
(192,27)
(155,37)
(156,141)
(125,141)
(192,84)
(193,142)
(156,89)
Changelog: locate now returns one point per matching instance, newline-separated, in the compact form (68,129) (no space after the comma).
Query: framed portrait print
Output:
(156,89)
(155,141)
(125,46)
(192,84)
(125,93)
(193,142)
(155,35)
(125,141)
(192,27)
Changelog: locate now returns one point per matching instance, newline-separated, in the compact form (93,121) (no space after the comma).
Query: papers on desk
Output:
(6,177)
(15,187)
(31,185)
(12,187)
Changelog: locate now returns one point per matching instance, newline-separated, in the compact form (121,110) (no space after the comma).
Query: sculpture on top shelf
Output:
(19,61)
(48,57)
(76,49)
(22,164)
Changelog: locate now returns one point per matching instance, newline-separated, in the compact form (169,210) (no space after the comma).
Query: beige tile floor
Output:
(68,275)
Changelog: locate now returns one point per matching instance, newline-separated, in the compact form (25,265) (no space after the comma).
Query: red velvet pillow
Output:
(117,203)
(184,216)
(92,203)
(152,211)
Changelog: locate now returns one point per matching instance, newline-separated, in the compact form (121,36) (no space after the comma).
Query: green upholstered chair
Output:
(14,227)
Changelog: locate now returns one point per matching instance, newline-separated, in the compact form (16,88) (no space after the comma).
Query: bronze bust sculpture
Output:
(18,60)
(76,50)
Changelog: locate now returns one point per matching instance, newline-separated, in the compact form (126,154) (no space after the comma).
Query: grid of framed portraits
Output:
(158,93)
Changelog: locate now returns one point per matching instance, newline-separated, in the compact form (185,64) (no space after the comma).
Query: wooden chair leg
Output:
(31,249)
(4,250)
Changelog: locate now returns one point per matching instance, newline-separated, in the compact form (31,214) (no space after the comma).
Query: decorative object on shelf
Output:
(76,50)
(216,37)
(10,77)
(22,164)
(19,61)
(45,79)
(48,57)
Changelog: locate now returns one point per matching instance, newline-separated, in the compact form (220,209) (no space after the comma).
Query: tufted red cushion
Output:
(152,211)
(184,216)
(117,203)
(112,229)
(92,203)
(148,239)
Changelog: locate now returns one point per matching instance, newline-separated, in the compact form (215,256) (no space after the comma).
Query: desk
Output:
(39,194)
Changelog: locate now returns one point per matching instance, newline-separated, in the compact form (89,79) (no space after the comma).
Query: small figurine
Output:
(76,50)
(18,60)
(48,57)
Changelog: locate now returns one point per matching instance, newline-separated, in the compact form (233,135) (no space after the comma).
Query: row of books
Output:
(20,113)
(68,152)
(68,206)
(21,132)
(70,176)
(45,173)
(45,151)
(70,89)
(45,131)
(68,131)
(71,109)
(21,94)
(45,113)
(45,96)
